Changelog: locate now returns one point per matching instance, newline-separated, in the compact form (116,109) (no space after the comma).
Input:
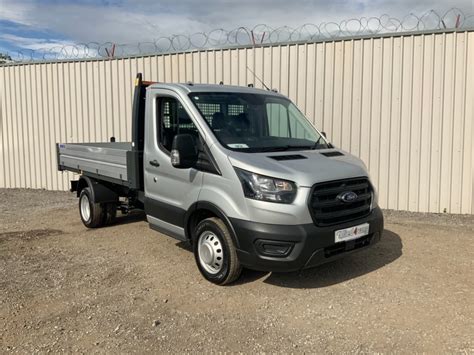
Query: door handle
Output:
(154,163)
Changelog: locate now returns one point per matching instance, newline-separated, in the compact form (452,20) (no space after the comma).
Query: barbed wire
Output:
(260,34)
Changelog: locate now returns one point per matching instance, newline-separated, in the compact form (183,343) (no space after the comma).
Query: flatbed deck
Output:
(107,160)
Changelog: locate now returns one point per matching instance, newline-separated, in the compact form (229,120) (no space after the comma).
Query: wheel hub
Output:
(207,254)
(210,252)
(85,208)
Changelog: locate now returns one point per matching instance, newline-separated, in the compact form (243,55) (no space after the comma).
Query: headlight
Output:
(266,188)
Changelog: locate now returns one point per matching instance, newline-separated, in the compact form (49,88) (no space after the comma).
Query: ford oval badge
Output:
(347,196)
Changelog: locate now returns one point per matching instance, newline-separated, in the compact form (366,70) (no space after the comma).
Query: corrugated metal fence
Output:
(404,104)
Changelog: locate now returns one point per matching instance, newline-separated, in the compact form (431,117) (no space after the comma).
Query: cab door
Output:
(169,192)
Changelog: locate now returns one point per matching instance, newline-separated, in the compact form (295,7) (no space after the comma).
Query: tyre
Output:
(92,214)
(109,213)
(215,253)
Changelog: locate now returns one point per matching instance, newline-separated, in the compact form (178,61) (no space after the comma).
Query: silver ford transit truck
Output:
(238,172)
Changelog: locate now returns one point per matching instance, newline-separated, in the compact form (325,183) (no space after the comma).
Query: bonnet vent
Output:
(288,157)
(332,154)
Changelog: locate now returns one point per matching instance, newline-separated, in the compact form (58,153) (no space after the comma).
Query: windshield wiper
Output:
(315,145)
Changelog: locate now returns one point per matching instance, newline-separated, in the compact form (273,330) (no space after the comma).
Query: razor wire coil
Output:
(260,34)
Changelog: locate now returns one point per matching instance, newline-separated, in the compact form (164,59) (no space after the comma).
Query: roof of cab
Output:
(189,88)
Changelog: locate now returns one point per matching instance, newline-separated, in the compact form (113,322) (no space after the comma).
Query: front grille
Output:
(327,209)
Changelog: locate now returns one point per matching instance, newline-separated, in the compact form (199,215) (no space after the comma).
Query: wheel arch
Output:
(202,210)
(100,192)
(83,182)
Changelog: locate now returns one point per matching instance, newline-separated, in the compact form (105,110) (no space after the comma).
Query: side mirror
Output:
(184,154)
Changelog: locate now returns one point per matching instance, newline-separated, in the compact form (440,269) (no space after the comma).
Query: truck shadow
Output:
(385,252)
(131,217)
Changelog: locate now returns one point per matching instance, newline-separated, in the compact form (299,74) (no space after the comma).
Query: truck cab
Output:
(238,172)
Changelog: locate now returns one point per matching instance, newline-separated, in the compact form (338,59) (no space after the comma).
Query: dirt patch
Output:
(29,235)
(128,289)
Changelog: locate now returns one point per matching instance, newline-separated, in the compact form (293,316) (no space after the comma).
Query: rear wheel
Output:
(215,253)
(92,214)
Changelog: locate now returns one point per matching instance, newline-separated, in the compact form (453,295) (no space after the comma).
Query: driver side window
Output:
(172,120)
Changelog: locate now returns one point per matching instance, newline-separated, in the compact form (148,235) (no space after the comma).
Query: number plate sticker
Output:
(351,233)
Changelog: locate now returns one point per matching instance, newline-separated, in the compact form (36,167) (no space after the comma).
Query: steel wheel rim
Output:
(85,208)
(210,252)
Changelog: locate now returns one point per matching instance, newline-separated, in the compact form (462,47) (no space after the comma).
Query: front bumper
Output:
(311,245)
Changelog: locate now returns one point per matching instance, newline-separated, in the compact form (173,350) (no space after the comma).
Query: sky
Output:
(39,25)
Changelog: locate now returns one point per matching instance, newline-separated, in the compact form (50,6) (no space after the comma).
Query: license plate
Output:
(351,233)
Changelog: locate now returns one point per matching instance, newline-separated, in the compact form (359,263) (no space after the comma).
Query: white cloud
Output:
(128,21)
(34,43)
(46,48)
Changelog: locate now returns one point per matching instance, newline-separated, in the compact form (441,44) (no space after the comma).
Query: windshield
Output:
(253,123)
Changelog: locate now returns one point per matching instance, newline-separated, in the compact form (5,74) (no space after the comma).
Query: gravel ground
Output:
(126,288)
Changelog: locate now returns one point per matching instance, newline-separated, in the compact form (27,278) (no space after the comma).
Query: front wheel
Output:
(215,253)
